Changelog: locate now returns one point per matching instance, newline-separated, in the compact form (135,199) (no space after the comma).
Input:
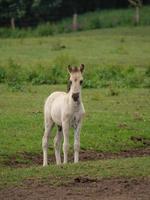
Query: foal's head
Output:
(75,81)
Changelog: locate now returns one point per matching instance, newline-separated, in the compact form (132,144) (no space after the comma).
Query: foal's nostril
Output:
(75,96)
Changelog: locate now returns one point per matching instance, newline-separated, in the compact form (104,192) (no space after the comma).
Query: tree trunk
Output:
(13,23)
(74,22)
(137,15)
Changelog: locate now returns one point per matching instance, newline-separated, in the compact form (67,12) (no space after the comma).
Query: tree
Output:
(137,4)
(45,9)
(12,10)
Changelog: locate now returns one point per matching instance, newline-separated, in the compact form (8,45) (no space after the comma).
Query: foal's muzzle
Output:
(75,96)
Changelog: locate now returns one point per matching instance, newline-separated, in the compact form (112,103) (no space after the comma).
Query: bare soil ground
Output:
(29,159)
(81,188)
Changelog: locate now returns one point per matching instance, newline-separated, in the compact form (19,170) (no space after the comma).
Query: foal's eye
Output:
(70,82)
(81,82)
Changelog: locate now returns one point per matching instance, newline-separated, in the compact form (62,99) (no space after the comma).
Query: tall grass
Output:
(131,77)
(91,20)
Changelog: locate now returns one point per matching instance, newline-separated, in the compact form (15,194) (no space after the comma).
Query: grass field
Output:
(114,115)
(109,123)
(119,46)
(56,175)
(112,56)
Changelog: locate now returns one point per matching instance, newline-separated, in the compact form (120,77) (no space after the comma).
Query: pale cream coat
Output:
(65,111)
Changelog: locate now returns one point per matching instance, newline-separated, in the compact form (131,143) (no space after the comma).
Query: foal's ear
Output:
(82,68)
(69,69)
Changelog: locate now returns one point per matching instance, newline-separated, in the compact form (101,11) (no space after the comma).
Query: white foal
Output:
(65,110)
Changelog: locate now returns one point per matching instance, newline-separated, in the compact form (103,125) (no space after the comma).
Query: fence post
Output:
(74,22)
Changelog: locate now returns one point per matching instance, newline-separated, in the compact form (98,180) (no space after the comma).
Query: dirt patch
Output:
(93,155)
(141,139)
(81,188)
(29,159)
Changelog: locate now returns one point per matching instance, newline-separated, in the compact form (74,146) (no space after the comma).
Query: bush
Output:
(31,75)
(38,76)
(134,81)
(63,28)
(115,75)
(95,23)
(13,76)
(90,84)
(45,75)
(98,77)
(147,72)
(5,32)
(146,83)
(17,33)
(44,30)
(110,73)
(2,75)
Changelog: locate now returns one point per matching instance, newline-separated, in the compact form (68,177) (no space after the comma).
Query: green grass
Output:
(113,114)
(57,175)
(21,119)
(119,46)
(121,51)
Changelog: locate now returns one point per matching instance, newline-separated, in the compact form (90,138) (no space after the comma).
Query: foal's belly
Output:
(56,118)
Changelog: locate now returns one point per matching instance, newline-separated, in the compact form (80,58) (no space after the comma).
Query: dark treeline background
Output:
(24,13)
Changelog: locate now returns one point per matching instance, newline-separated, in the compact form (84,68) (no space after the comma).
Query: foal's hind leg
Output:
(48,127)
(57,145)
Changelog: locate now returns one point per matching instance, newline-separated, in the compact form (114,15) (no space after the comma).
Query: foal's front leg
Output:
(77,141)
(65,126)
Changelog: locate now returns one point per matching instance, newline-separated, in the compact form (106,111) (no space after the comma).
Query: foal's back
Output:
(55,96)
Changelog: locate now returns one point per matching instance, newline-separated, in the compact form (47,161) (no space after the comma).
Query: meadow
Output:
(116,97)
(117,56)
